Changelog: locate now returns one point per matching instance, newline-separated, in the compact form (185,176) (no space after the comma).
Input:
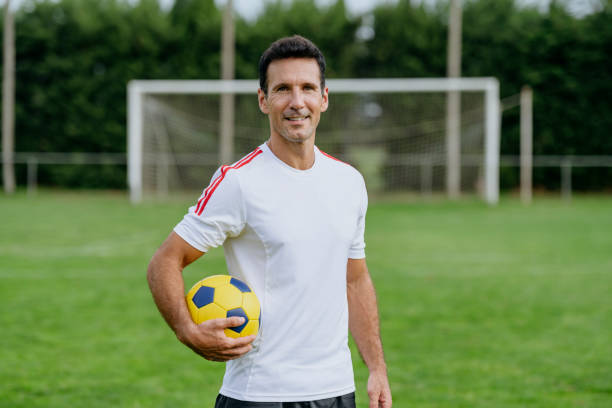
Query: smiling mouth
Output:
(296,118)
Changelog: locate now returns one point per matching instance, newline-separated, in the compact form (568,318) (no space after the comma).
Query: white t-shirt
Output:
(288,233)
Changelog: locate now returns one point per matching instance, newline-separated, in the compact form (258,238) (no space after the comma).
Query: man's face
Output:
(294,102)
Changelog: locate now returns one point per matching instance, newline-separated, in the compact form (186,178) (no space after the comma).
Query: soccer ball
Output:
(221,296)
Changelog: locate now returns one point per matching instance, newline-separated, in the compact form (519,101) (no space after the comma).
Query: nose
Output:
(297,99)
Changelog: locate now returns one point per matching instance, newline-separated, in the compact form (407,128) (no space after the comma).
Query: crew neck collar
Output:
(289,168)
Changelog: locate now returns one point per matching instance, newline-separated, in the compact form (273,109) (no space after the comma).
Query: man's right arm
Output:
(165,277)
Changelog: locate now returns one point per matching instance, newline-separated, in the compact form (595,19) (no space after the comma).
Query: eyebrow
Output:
(281,84)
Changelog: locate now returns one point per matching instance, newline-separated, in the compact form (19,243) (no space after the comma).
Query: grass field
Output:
(480,307)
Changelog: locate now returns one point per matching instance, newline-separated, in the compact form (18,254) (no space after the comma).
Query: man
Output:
(291,219)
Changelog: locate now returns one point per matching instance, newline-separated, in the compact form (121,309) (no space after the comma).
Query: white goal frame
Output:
(490,86)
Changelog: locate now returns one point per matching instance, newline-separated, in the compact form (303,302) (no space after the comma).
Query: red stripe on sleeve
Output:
(214,182)
(218,179)
(213,186)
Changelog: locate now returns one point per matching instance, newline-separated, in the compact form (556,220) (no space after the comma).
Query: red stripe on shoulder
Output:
(333,158)
(215,183)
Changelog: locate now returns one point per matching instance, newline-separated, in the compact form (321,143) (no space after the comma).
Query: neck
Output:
(297,155)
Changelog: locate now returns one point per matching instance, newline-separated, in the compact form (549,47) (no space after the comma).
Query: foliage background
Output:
(75,57)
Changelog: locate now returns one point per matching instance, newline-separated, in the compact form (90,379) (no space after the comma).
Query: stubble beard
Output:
(299,139)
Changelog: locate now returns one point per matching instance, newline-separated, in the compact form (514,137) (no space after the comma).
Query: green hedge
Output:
(75,57)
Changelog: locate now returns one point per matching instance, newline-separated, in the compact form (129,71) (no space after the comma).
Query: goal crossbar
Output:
(488,85)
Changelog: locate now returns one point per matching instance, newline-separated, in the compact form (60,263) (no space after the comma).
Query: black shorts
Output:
(343,401)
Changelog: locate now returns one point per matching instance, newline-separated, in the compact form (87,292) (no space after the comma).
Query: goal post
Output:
(392,127)
(138,89)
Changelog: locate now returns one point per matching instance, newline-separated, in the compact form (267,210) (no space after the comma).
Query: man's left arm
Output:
(364,326)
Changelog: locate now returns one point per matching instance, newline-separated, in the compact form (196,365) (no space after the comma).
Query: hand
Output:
(379,390)
(209,340)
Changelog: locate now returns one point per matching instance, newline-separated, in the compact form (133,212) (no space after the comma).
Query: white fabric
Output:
(288,233)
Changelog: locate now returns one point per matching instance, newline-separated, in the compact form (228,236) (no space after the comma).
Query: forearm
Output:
(364,321)
(165,280)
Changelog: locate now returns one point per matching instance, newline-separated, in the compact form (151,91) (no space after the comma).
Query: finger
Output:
(238,352)
(373,399)
(241,341)
(232,354)
(385,398)
(230,344)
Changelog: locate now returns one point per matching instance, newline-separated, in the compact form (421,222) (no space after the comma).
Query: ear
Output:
(263,101)
(325,102)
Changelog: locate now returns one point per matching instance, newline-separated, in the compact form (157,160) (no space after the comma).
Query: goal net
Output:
(394,131)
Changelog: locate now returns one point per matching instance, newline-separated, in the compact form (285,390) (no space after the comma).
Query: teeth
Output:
(297,118)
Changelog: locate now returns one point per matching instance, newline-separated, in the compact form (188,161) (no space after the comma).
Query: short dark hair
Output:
(289,47)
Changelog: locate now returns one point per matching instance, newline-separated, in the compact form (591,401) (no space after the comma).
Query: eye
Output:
(282,88)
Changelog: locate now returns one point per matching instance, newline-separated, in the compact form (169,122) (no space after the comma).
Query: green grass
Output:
(480,307)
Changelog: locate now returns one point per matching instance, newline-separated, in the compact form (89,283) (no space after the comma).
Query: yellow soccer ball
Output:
(222,296)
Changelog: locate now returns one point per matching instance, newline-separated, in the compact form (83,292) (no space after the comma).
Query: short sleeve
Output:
(357,250)
(218,214)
